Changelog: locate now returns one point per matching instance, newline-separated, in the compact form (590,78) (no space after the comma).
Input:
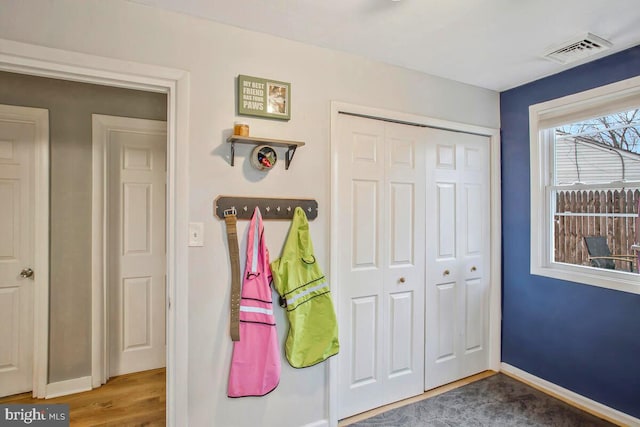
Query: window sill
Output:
(615,280)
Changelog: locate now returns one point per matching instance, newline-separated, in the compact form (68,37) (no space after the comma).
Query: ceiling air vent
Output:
(577,49)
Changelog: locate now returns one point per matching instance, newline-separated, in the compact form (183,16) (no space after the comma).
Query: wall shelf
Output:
(289,145)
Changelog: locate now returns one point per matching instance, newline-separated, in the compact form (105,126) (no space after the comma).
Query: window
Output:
(585,187)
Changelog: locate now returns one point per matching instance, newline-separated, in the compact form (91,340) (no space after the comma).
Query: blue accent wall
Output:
(583,338)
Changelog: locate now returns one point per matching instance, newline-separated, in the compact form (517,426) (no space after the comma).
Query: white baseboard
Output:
(321,423)
(63,388)
(570,397)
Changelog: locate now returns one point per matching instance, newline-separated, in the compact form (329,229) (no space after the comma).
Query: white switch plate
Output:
(196,234)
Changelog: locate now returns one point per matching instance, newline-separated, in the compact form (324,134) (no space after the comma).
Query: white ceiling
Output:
(495,44)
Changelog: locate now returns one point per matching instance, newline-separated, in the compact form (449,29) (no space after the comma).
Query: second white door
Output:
(136,267)
(457,287)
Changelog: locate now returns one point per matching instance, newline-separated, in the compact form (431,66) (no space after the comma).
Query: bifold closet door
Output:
(458,248)
(381,227)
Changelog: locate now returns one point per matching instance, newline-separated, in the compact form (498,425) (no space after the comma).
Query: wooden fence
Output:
(608,213)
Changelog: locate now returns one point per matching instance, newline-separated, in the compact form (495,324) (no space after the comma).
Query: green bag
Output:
(304,293)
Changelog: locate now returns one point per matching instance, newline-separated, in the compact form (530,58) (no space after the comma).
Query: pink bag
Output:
(255,364)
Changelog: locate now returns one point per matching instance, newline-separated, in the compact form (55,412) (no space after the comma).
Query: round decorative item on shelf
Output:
(263,157)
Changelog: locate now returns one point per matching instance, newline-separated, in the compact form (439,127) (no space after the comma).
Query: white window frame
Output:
(591,103)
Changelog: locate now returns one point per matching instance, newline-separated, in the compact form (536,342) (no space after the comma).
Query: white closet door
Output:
(381,209)
(457,257)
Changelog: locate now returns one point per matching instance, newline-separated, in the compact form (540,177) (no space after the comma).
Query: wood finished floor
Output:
(137,399)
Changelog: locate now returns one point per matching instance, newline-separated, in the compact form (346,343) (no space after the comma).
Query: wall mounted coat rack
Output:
(271,208)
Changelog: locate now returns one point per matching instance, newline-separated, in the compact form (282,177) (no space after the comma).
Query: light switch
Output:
(196,234)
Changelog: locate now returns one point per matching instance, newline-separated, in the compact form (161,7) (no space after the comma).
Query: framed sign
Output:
(264,98)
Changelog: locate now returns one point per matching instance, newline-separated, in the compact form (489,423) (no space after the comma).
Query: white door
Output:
(17,222)
(457,294)
(381,227)
(136,269)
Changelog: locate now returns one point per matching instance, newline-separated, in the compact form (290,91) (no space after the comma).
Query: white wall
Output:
(214,55)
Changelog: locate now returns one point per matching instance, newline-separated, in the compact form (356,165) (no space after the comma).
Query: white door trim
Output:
(40,118)
(495,279)
(41,257)
(42,61)
(99,309)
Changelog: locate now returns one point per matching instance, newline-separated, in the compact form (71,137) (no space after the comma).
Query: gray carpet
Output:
(493,402)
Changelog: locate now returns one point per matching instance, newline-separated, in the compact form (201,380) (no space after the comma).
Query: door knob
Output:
(26,273)
(473,268)
(402,280)
(446,273)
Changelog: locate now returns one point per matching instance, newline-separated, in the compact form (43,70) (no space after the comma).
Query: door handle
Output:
(446,273)
(473,268)
(26,273)
(402,280)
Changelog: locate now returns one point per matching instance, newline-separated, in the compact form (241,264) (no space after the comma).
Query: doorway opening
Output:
(35,60)
(66,171)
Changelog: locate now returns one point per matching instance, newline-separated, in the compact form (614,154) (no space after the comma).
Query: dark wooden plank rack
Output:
(270,208)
